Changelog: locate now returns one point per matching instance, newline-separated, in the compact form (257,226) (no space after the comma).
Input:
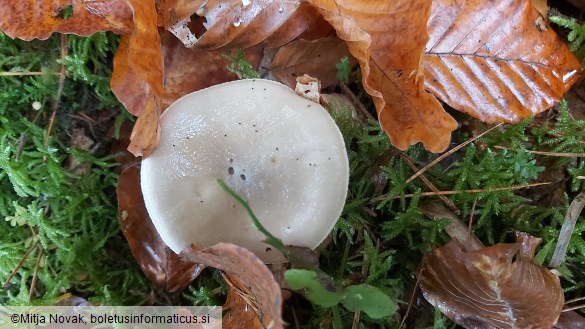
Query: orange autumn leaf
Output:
(388,39)
(497,61)
(28,20)
(254,299)
(242,23)
(158,262)
(495,287)
(137,79)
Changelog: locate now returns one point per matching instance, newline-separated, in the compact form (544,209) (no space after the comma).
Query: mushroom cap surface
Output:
(281,152)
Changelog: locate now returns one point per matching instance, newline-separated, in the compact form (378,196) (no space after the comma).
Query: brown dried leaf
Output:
(188,70)
(570,320)
(244,23)
(137,79)
(497,61)
(254,298)
(157,261)
(542,7)
(316,58)
(27,20)
(388,39)
(496,287)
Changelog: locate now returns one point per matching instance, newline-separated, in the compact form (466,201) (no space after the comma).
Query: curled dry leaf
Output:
(157,261)
(27,20)
(388,39)
(316,58)
(497,61)
(242,23)
(137,79)
(254,298)
(496,287)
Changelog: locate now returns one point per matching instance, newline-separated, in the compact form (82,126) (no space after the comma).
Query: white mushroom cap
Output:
(281,152)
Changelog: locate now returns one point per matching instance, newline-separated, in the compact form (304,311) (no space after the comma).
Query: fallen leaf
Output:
(254,299)
(497,61)
(137,78)
(248,23)
(388,40)
(495,287)
(570,320)
(316,58)
(188,70)
(542,7)
(28,20)
(158,262)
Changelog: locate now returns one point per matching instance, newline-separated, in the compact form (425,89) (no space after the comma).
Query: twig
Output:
(567,230)
(471,218)
(451,151)
(509,188)
(411,299)
(574,300)
(55,104)
(35,275)
(355,100)
(572,308)
(364,272)
(552,154)
(456,229)
(429,184)
(19,265)
(21,74)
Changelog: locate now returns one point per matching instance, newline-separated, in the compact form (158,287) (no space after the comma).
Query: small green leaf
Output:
(318,288)
(343,70)
(369,299)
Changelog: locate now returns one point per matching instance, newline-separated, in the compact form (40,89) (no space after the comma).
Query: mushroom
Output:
(281,152)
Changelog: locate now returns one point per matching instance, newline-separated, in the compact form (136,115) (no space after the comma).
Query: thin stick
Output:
(35,275)
(572,308)
(19,265)
(411,298)
(62,75)
(355,100)
(552,154)
(451,151)
(567,229)
(429,184)
(471,219)
(510,188)
(22,74)
(574,300)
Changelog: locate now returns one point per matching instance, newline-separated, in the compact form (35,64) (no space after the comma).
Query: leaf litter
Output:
(466,65)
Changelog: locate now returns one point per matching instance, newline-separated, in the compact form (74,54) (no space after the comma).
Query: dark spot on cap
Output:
(277,148)
(231,170)
(243,177)
(268,249)
(231,160)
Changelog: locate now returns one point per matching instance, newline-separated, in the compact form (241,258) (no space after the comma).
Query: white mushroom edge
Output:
(281,152)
